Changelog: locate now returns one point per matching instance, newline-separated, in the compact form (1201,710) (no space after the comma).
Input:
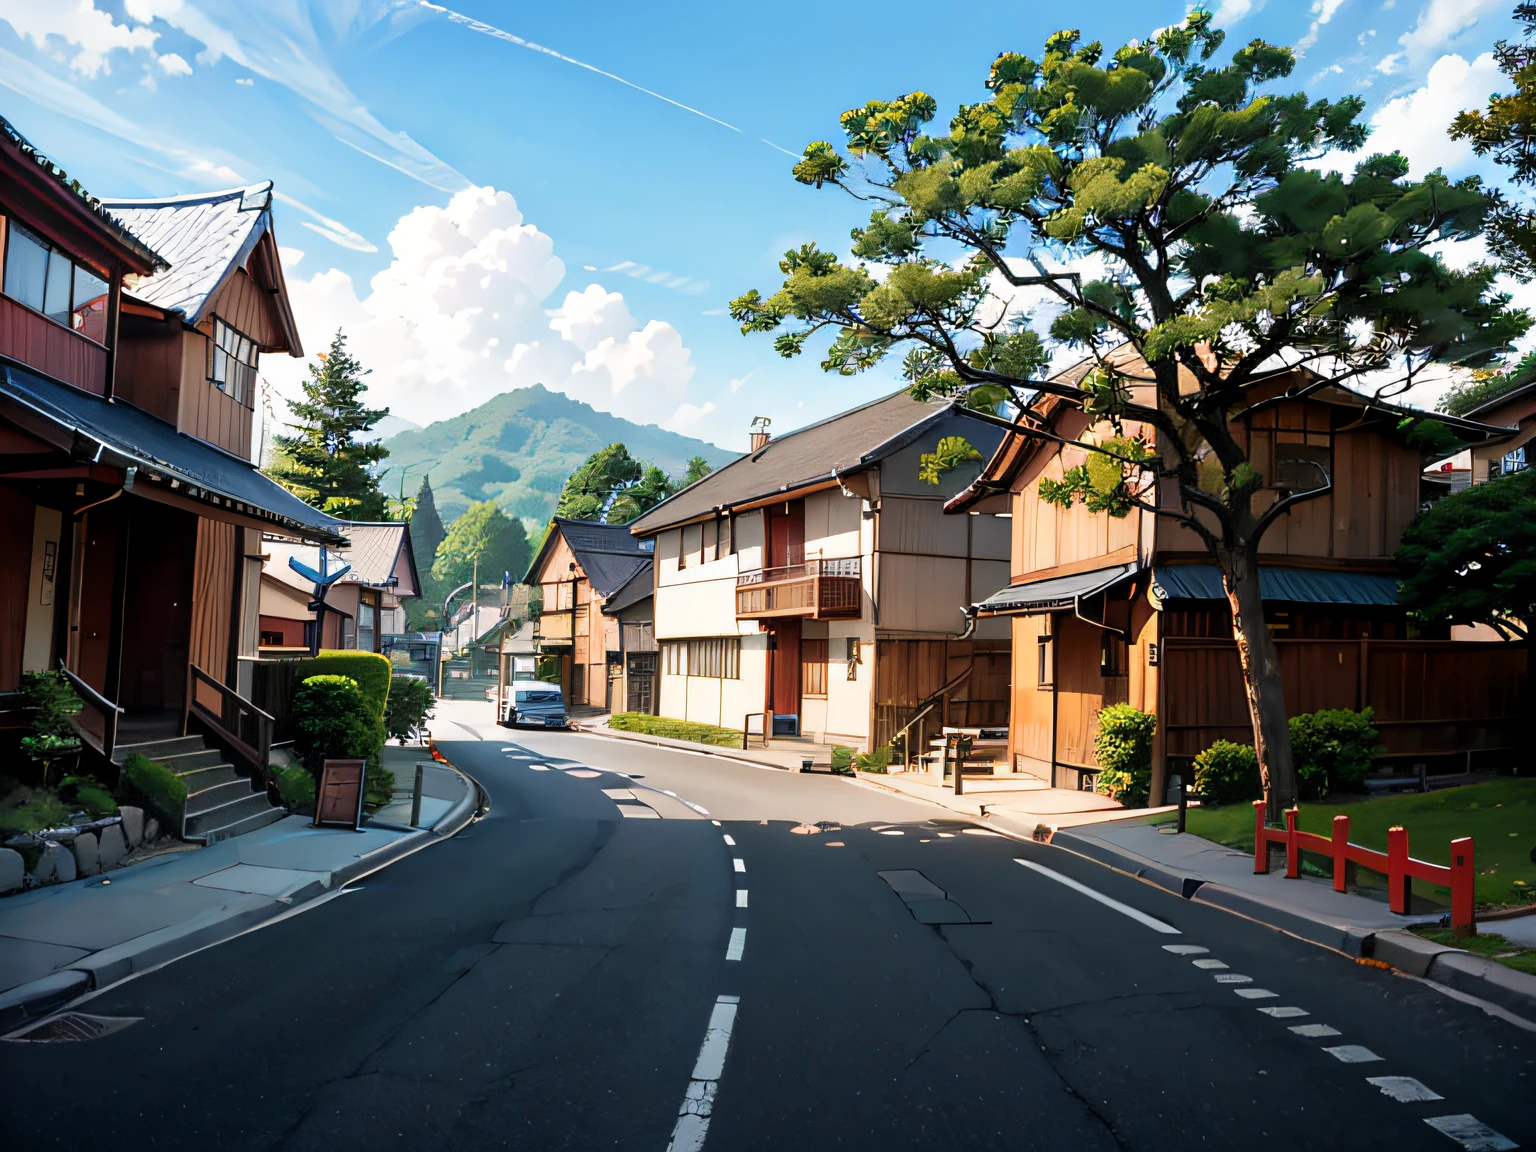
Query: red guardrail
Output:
(1400,868)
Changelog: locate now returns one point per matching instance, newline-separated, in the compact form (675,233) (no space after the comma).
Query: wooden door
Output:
(786,668)
(786,534)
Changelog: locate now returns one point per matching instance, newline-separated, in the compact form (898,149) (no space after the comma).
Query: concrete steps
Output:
(220,801)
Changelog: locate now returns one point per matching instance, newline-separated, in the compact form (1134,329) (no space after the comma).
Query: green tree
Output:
(324,463)
(487,532)
(613,487)
(698,468)
(1185,181)
(427,533)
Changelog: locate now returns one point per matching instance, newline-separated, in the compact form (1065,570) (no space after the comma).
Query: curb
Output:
(688,746)
(1396,948)
(46,995)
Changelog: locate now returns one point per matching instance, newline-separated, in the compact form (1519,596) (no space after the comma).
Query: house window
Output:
(365,627)
(648,545)
(272,640)
(675,658)
(709,541)
(693,541)
(232,362)
(1114,655)
(1511,462)
(853,658)
(718,657)
(1303,460)
(813,667)
(1045,661)
(44,279)
(727,537)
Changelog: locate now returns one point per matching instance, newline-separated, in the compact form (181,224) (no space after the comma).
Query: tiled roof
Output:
(838,444)
(373,550)
(203,237)
(638,588)
(607,553)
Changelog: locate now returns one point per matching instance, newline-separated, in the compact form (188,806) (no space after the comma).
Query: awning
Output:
(1291,585)
(1055,593)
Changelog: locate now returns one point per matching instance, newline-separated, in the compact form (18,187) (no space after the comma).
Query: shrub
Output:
(410,702)
(370,671)
(333,720)
(1332,751)
(157,788)
(878,761)
(24,809)
(1227,773)
(675,729)
(1123,749)
(842,758)
(295,785)
(88,793)
(50,702)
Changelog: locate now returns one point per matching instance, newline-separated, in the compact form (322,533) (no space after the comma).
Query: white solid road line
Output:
(739,864)
(737,945)
(1403,1089)
(1124,909)
(1471,1133)
(699,1100)
(741,897)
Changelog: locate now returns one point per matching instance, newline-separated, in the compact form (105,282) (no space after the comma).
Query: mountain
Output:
(391,425)
(519,447)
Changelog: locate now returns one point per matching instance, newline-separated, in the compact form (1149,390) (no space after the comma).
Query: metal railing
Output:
(849,566)
(97,720)
(233,720)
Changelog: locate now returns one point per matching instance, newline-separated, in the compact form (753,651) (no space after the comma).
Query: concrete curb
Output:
(678,746)
(1454,968)
(36,999)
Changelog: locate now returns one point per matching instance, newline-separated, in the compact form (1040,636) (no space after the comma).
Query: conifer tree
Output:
(324,463)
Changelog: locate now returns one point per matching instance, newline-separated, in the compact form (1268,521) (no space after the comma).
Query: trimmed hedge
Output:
(1123,749)
(675,729)
(369,670)
(333,720)
(158,789)
(1227,773)
(1332,750)
(410,700)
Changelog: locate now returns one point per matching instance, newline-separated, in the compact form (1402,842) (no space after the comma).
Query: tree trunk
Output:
(1262,686)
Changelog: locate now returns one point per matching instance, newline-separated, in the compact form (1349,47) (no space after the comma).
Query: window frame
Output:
(9,227)
(244,391)
(813,671)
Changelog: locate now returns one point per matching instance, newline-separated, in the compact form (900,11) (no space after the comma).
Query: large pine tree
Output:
(427,529)
(324,463)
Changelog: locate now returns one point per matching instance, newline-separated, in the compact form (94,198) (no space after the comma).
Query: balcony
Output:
(554,629)
(815,590)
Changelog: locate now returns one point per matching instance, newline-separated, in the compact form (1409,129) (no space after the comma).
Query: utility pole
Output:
(474,614)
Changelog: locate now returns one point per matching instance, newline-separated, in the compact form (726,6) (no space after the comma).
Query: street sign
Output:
(339,799)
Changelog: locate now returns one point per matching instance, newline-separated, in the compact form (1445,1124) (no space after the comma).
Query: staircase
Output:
(220,802)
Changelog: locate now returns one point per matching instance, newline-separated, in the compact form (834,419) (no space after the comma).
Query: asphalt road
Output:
(566,975)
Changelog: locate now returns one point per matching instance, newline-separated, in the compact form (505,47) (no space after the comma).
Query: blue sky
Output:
(480,215)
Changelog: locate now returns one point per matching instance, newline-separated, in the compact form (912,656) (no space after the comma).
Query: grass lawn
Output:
(1500,816)
(1515,956)
(675,729)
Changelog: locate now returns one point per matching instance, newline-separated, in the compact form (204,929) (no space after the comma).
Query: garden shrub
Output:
(1332,750)
(333,720)
(1123,749)
(157,788)
(370,671)
(24,809)
(50,704)
(842,758)
(296,785)
(675,729)
(410,701)
(878,761)
(89,794)
(1227,773)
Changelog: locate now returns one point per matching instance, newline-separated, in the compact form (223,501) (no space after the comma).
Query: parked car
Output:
(536,705)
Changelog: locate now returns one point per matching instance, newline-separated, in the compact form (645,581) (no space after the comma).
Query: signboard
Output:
(339,799)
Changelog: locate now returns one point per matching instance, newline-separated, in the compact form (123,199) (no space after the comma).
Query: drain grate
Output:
(69,1026)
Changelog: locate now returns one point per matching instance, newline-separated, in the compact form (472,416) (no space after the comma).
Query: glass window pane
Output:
(90,304)
(26,267)
(61,274)
(220,365)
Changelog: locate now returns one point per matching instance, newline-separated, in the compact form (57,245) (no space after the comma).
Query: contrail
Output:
(486,29)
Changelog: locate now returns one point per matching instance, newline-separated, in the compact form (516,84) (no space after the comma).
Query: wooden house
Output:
(635,676)
(131,518)
(1132,610)
(814,587)
(581,564)
(361,608)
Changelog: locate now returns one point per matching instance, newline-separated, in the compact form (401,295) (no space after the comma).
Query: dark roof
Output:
(636,590)
(118,434)
(111,229)
(204,238)
(1503,398)
(1293,585)
(607,553)
(1054,593)
(809,455)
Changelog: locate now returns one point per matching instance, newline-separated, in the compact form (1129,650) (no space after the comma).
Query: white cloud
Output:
(1416,124)
(93,33)
(173,65)
(464,311)
(1322,12)
(663,279)
(245,81)
(333,230)
(1231,11)
(687,415)
(290,256)
(1441,21)
(207,172)
(736,384)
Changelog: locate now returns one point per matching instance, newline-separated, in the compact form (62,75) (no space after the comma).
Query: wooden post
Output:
(1463,888)
(1260,844)
(1292,846)
(416,799)
(1399,883)
(1340,853)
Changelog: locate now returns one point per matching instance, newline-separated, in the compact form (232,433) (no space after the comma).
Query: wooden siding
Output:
(51,348)
(244,304)
(148,373)
(205,410)
(153,654)
(16,516)
(213,592)
(909,671)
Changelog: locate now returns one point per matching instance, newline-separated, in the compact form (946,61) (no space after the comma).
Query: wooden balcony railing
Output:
(233,720)
(817,589)
(97,720)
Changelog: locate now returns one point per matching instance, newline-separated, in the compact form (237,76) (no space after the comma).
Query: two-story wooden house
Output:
(1107,610)
(816,586)
(130,514)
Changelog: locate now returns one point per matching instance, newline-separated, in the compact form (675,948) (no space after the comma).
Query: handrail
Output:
(108,710)
(927,705)
(255,747)
(850,567)
(746,728)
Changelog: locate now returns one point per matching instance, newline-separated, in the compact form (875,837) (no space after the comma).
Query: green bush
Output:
(333,720)
(878,761)
(157,788)
(296,785)
(842,758)
(1123,749)
(24,809)
(50,703)
(1332,750)
(370,671)
(88,793)
(410,702)
(1227,773)
(675,729)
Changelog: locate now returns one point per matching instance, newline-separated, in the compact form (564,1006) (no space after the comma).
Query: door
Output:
(786,534)
(785,685)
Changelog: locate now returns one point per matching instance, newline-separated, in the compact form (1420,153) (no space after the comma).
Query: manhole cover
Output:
(73,1026)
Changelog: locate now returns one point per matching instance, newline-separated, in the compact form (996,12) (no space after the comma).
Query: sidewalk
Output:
(61,941)
(1016,802)
(1211,873)
(786,759)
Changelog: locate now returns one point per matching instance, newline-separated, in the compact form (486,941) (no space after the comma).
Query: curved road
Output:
(639,947)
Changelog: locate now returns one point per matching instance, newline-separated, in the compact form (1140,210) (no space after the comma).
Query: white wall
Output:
(37,645)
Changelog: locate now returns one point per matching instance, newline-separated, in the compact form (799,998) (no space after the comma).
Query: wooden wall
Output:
(148,372)
(205,410)
(51,348)
(213,592)
(16,516)
(909,671)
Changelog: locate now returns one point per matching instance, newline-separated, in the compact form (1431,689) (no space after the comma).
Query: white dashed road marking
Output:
(638,812)
(729,841)
(1403,1089)
(1352,1054)
(1314,1031)
(1284,1013)
(1471,1133)
(1209,963)
(741,897)
(537,768)
(739,864)
(737,945)
(1135,914)
(1232,978)
(699,1100)
(619,794)
(1184,949)
(1256,993)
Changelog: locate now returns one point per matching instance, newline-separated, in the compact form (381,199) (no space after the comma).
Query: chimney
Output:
(758,437)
